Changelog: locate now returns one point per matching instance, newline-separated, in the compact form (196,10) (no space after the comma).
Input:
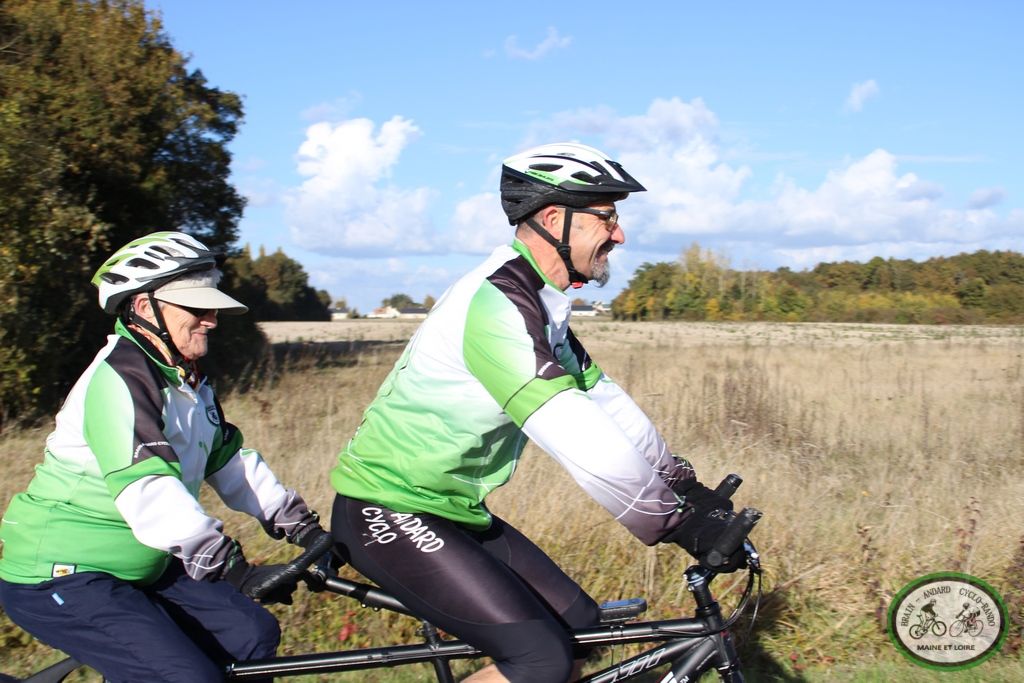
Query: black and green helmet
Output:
(564,173)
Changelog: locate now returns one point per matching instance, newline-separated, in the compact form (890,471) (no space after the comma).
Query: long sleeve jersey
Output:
(117,491)
(493,364)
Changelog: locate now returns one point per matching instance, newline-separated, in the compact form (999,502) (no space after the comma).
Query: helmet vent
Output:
(113,278)
(163,250)
(141,263)
(584,176)
(550,168)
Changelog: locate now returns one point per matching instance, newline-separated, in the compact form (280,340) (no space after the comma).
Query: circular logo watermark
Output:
(948,621)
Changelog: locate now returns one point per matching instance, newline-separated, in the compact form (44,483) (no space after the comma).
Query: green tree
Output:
(846,275)
(398,301)
(107,135)
(1005,302)
(971,292)
(276,287)
(647,295)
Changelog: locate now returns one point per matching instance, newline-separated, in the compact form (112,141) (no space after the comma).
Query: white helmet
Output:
(146,263)
(566,173)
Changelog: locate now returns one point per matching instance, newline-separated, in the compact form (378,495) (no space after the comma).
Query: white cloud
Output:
(336,109)
(862,201)
(863,207)
(861,93)
(672,150)
(811,256)
(985,197)
(348,204)
(552,41)
(479,225)
(364,283)
(259,191)
(695,194)
(942,158)
(248,165)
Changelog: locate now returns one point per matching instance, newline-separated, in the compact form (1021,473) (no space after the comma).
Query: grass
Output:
(878,453)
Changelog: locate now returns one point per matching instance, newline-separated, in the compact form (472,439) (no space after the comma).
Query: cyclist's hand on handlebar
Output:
(700,497)
(307,535)
(697,536)
(247,578)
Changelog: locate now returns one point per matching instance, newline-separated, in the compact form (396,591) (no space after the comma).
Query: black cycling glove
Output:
(249,579)
(697,535)
(700,497)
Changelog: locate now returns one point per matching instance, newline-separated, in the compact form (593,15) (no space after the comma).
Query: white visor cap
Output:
(199,290)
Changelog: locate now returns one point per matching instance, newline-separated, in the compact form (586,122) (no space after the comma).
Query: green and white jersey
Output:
(493,364)
(118,486)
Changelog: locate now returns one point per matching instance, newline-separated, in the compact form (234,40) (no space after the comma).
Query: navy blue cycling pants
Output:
(176,629)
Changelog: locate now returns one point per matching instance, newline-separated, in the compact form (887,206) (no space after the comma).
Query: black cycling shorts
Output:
(494,589)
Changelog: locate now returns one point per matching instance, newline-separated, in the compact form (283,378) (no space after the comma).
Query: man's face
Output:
(188,328)
(592,238)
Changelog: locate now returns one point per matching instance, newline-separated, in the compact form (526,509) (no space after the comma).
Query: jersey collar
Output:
(172,373)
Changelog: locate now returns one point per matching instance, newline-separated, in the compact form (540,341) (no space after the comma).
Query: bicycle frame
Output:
(692,645)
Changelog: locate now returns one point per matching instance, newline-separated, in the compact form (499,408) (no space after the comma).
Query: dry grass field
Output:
(878,454)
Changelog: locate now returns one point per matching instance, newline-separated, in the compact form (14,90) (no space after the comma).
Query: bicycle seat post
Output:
(441,666)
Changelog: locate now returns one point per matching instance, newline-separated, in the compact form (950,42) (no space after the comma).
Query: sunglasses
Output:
(609,216)
(197,312)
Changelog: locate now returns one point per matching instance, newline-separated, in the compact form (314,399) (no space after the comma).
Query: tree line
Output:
(108,135)
(981,287)
(276,287)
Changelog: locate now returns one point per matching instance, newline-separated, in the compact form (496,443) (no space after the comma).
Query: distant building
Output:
(413,312)
(384,312)
(585,310)
(340,313)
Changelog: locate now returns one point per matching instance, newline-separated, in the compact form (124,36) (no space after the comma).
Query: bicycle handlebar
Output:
(738,528)
(728,486)
(294,570)
(732,538)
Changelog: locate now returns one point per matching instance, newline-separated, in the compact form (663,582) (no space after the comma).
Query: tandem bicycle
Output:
(688,646)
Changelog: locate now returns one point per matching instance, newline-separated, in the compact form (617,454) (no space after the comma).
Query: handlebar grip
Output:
(294,569)
(728,486)
(733,536)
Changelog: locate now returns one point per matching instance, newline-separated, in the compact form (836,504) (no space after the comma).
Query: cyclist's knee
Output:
(257,637)
(535,652)
(583,612)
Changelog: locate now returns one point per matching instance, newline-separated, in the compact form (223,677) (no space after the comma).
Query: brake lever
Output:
(753,557)
(317,574)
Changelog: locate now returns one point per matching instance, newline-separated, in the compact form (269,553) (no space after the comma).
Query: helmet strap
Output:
(160,329)
(576,278)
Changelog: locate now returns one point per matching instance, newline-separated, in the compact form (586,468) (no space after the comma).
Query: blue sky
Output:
(774,134)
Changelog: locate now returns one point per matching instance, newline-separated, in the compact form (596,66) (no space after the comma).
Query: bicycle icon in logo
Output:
(929,622)
(967,621)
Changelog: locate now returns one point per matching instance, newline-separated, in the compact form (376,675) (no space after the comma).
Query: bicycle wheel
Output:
(975,629)
(916,631)
(939,628)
